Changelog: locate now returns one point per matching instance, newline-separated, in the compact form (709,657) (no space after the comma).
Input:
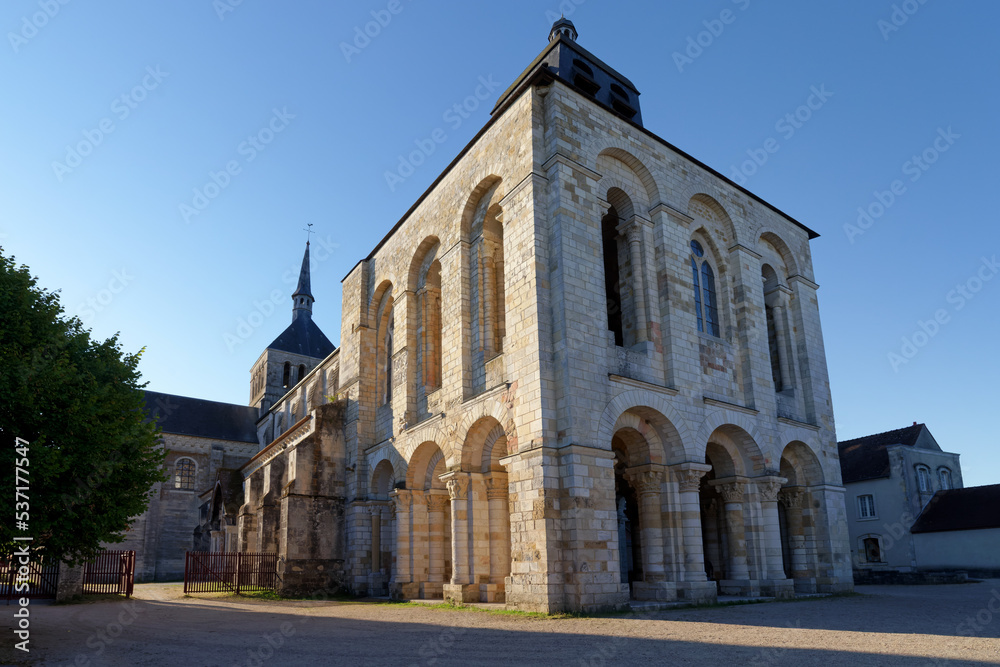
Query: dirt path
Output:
(899,625)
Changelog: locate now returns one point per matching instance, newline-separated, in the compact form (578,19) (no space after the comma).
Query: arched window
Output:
(388,360)
(924,479)
(184,474)
(286,375)
(302,373)
(612,275)
(944,478)
(705,302)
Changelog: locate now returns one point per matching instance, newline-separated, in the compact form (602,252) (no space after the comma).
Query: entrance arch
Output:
(424,532)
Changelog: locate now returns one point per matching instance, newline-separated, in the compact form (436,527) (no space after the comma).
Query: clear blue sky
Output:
(107,226)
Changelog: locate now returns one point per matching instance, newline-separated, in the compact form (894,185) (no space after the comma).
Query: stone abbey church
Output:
(583,369)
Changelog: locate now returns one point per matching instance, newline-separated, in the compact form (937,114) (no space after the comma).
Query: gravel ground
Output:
(885,625)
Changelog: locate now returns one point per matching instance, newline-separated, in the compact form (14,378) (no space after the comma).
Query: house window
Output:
(705,305)
(866,506)
(184,471)
(944,478)
(871,546)
(924,479)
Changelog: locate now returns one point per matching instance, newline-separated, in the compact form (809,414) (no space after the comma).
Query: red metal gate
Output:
(110,573)
(229,572)
(39,581)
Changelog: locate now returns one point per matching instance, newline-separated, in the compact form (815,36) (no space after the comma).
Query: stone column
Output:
(781,333)
(460,588)
(648,485)
(437,501)
(401,582)
(776,584)
(738,574)
(633,235)
(695,586)
(791,498)
(497,497)
(376,580)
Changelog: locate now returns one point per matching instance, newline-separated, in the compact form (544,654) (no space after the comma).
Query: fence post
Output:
(239,576)
(187,559)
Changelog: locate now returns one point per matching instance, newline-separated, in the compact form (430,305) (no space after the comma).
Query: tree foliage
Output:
(92,454)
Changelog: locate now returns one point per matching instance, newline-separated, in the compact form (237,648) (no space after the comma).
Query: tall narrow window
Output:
(286,375)
(612,277)
(388,360)
(302,372)
(184,472)
(705,302)
(923,479)
(944,478)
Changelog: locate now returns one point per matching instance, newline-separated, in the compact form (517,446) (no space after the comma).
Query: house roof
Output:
(972,508)
(867,458)
(182,415)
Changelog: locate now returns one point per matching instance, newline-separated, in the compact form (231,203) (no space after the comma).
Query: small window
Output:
(619,91)
(286,375)
(184,472)
(302,372)
(944,478)
(583,67)
(924,479)
(866,506)
(872,549)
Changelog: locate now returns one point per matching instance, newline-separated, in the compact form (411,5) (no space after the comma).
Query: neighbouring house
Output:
(908,511)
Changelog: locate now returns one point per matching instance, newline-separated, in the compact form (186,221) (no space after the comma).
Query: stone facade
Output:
(535,407)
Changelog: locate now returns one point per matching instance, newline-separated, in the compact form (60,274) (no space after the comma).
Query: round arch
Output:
(657,415)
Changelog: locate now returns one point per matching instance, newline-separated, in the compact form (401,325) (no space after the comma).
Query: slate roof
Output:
(181,415)
(972,508)
(303,337)
(867,458)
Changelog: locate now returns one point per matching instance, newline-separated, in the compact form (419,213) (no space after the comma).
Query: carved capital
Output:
(689,476)
(791,498)
(768,487)
(436,502)
(496,487)
(645,481)
(458,488)
(732,492)
(374,510)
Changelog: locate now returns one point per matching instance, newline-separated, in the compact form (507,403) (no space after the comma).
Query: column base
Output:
(741,587)
(834,585)
(782,589)
(805,585)
(430,590)
(408,590)
(697,592)
(492,593)
(377,585)
(659,591)
(461,593)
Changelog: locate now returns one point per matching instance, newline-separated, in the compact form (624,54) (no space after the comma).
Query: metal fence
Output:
(229,572)
(38,579)
(110,573)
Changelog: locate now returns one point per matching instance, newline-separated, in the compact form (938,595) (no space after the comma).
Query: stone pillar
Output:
(791,498)
(461,588)
(775,582)
(781,333)
(648,483)
(401,584)
(376,579)
(738,574)
(633,235)
(70,583)
(499,523)
(695,587)
(437,502)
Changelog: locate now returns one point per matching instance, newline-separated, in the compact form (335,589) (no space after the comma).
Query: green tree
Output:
(92,454)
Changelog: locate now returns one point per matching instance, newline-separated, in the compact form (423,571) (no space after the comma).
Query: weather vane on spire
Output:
(308,230)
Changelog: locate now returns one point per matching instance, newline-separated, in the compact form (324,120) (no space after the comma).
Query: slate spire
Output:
(302,298)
